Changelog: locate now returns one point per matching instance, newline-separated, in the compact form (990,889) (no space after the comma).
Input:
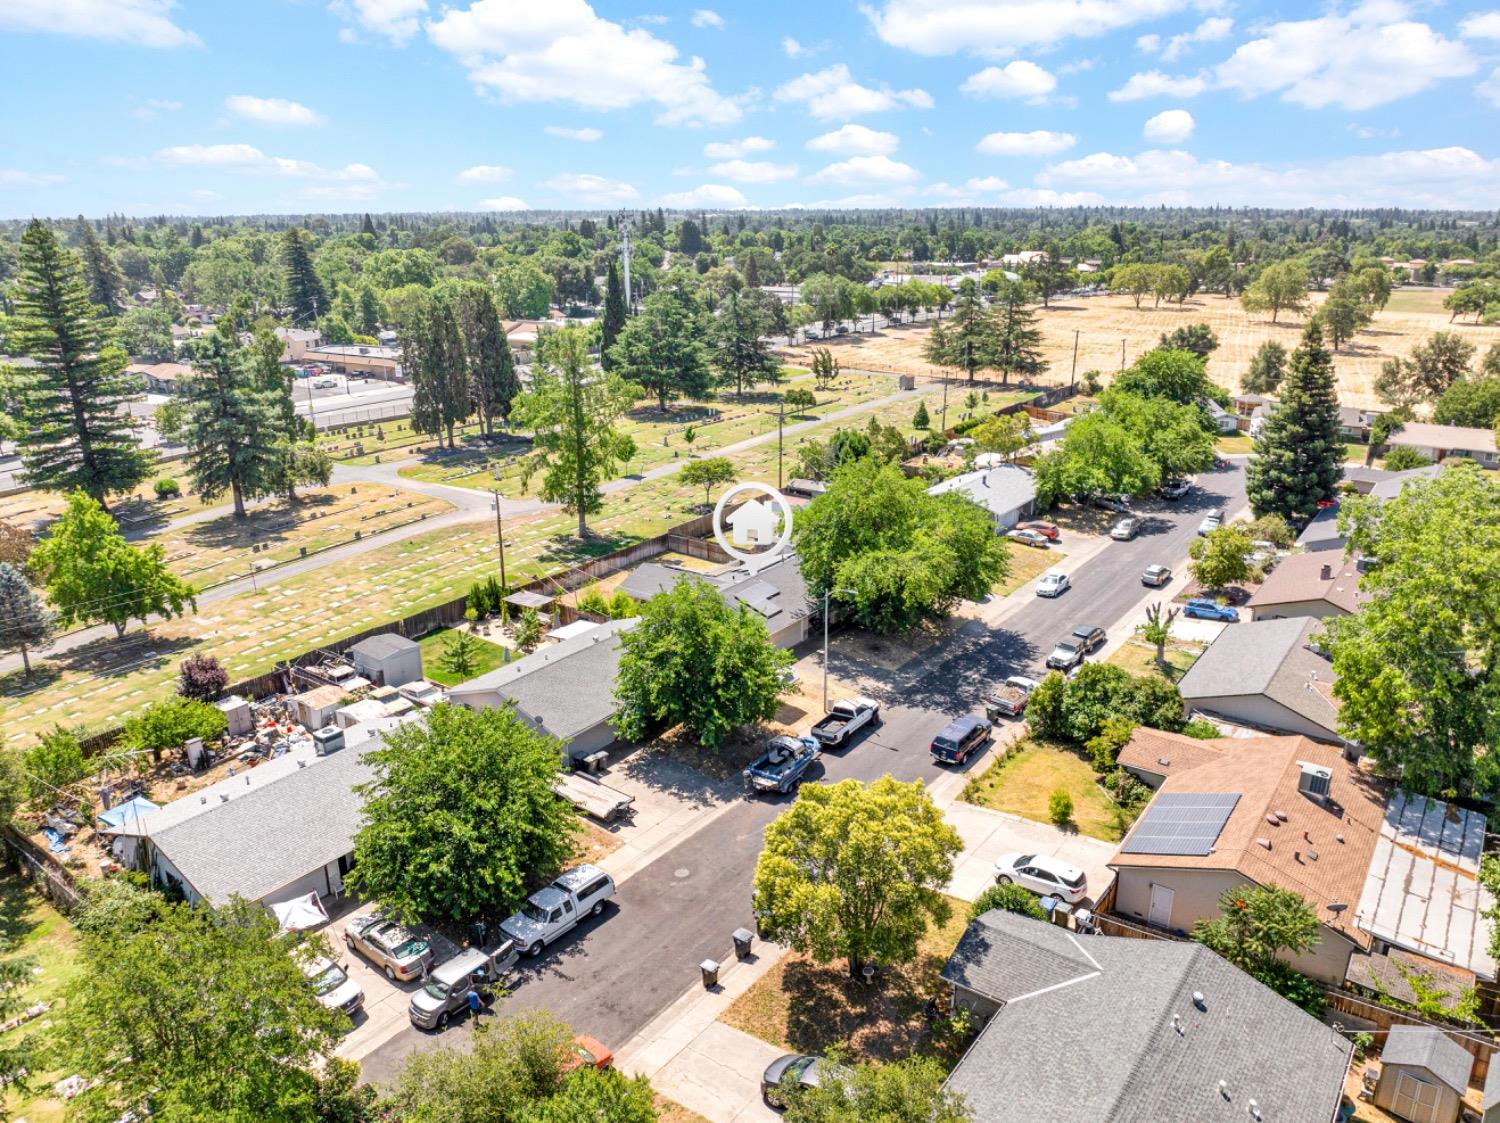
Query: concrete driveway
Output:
(987,834)
(718,1076)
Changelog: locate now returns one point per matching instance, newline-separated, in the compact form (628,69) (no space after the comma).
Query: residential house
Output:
(1315,586)
(357,358)
(1007,492)
(162,378)
(1440,442)
(1321,533)
(1266,675)
(1024,258)
(1356,423)
(296,341)
(1246,404)
(1116,1030)
(1152,755)
(1424,1074)
(1225,420)
(1283,811)
(777,592)
(566,689)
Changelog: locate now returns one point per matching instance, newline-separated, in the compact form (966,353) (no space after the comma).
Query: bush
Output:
(593,602)
(53,762)
(1060,808)
(1076,710)
(1401,458)
(1044,708)
(1126,790)
(166,489)
(478,599)
(1104,748)
(622,606)
(1011,898)
(920,420)
(202,678)
(168,724)
(1203,730)
(1273,529)
(1293,985)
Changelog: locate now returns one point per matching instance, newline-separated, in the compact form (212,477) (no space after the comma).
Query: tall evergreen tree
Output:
(752,271)
(25,622)
(614,314)
(370,313)
(970,338)
(1299,451)
(662,348)
(739,354)
(1018,341)
(76,431)
(303,290)
(107,285)
(367,226)
(232,426)
(301,462)
(491,367)
(432,352)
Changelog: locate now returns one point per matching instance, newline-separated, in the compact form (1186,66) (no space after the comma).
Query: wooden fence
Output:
(51,879)
(1477,1043)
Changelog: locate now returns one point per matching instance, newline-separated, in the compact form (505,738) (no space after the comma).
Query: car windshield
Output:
(328,979)
(800,1065)
(534,912)
(435,989)
(1068,646)
(1025,859)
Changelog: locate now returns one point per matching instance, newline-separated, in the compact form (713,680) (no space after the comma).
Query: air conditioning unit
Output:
(1315,780)
(329,739)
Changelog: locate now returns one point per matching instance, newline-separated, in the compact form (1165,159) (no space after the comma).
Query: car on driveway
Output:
(396,950)
(1156,576)
(1051,877)
(1125,529)
(1211,521)
(334,988)
(1070,652)
(1201,608)
(1120,504)
(1028,538)
(1009,698)
(805,1071)
(1174,489)
(1048,531)
(446,990)
(1053,585)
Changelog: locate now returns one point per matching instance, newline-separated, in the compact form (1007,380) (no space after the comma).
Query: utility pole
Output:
(625,258)
(500,538)
(780,417)
(1074,376)
(1122,354)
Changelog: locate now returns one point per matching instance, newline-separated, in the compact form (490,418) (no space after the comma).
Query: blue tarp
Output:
(121,814)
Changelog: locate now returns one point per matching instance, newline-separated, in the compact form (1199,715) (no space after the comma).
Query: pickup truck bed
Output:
(844,719)
(592,798)
(781,767)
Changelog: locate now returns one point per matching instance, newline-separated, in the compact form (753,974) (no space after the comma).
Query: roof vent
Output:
(1177,1024)
(1273,820)
(1313,854)
(1281,815)
(1255,1111)
(1326,573)
(1224,1088)
(1164,762)
(1266,842)
(1314,780)
(1199,1001)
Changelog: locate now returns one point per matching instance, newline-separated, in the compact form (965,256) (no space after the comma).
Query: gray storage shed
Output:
(388,659)
(1423,1075)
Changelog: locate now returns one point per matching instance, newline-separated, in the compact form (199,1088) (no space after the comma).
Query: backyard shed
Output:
(1423,1075)
(388,659)
(315,708)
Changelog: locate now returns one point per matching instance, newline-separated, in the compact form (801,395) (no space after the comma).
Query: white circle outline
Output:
(754,562)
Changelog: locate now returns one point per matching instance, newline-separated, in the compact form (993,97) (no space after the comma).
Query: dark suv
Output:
(959,739)
(1070,652)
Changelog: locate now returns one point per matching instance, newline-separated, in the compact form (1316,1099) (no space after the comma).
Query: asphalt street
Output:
(611,976)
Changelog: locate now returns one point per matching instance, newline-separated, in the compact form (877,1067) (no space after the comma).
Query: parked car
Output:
(325,383)
(843,720)
(1028,538)
(1053,585)
(1174,489)
(1156,576)
(446,991)
(587,1052)
(1046,530)
(807,1072)
(333,986)
(1120,504)
(1051,877)
(400,953)
(1211,521)
(1201,608)
(959,739)
(556,910)
(1070,652)
(783,766)
(1125,529)
(1009,698)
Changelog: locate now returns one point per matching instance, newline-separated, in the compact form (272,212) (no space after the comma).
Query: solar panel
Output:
(1182,823)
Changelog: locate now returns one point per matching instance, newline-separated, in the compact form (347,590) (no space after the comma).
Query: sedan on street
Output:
(1029,538)
(1051,877)
(1125,529)
(1176,489)
(400,953)
(1201,608)
(1053,585)
(1156,576)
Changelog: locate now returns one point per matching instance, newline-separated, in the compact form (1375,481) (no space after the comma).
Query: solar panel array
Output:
(1182,823)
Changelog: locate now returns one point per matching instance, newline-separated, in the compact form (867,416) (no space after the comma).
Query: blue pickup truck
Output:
(782,766)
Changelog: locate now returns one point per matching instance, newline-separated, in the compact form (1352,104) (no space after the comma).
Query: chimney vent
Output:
(1199,1001)
(1327,573)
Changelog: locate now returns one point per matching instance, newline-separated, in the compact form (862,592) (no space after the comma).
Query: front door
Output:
(1161,905)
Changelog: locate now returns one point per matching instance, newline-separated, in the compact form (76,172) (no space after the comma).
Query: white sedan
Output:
(1053,585)
(1050,877)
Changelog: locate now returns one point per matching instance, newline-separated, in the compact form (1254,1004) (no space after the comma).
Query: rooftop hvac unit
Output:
(1314,780)
(329,739)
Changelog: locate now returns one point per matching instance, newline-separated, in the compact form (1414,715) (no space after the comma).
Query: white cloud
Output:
(483,173)
(272,110)
(754,171)
(587,134)
(1044,197)
(1369,57)
(141,23)
(866,169)
(1441,178)
(13,178)
(1148,44)
(248,159)
(154,107)
(1483,25)
(1172,126)
(833,94)
(1078,66)
(1153,83)
(706,17)
(941,27)
(734,149)
(1040,142)
(793,49)
(1489,89)
(592,189)
(1014,79)
(1371,132)
(968,191)
(504,203)
(397,20)
(563,51)
(711,196)
(1209,31)
(855,140)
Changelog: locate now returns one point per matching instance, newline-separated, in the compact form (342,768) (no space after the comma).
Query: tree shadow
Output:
(15,909)
(132,652)
(270,523)
(880,1020)
(572,550)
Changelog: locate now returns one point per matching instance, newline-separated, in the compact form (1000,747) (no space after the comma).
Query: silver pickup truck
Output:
(552,912)
(843,720)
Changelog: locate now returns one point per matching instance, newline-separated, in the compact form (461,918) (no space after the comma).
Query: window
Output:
(568,907)
(556,916)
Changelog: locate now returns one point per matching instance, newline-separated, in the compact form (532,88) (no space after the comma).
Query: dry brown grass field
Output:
(1103,323)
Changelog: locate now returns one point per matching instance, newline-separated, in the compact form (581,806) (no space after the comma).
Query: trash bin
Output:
(1061,912)
(742,938)
(710,969)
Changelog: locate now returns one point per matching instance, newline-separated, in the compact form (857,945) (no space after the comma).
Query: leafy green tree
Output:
(1017,339)
(75,427)
(799,399)
(1007,434)
(523,289)
(1475,403)
(905,1091)
(738,353)
(529,630)
(830,297)
(1138,280)
(300,460)
(1415,665)
(1079,708)
(92,574)
(107,285)
(432,353)
(1180,376)
(1401,459)
(302,290)
(588,1094)
(1221,557)
(489,365)
(231,426)
(146,333)
(1197,338)
(54,762)
(971,339)
(1281,287)
(825,368)
(1267,368)
(25,622)
(1171,282)
(1049,276)
(1178,439)
(891,551)
(1259,924)
(661,349)
(1427,373)
(708,474)
(18,1052)
(170,723)
(856,871)
(613,321)
(459,656)
(460,818)
(1097,455)
(695,661)
(1009,897)
(1299,451)
(1343,314)
(204,1013)
(1157,630)
(572,412)
(370,314)
(1384,425)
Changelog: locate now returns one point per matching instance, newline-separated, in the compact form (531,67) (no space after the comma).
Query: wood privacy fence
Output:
(51,879)
(1477,1043)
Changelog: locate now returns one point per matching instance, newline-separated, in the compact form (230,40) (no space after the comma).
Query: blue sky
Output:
(235,106)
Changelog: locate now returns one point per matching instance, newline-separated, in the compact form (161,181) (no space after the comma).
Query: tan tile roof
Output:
(1166,754)
(1265,771)
(1301,578)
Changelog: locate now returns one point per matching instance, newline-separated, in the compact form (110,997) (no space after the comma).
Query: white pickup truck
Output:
(553,911)
(844,720)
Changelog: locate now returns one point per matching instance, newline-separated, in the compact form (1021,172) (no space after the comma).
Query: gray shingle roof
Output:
(1267,657)
(646,580)
(382,646)
(1105,1046)
(998,490)
(1432,1049)
(1322,533)
(774,590)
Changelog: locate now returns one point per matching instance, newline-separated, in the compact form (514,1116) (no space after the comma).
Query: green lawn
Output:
(1026,563)
(1022,781)
(1235,443)
(491,655)
(1139,658)
(1416,300)
(31,927)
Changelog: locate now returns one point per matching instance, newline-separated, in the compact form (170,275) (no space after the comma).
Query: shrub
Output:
(622,606)
(166,489)
(202,678)
(479,599)
(1011,898)
(593,602)
(1076,710)
(1126,790)
(1401,458)
(1274,529)
(1044,708)
(169,723)
(53,762)
(920,420)
(1203,730)
(1293,985)
(1060,808)
(1104,747)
